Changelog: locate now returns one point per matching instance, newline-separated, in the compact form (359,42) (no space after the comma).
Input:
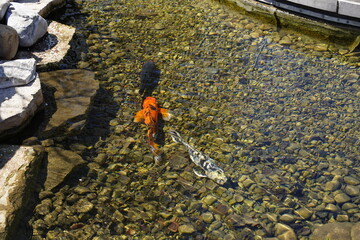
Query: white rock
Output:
(4,4)
(18,105)
(28,24)
(43,7)
(17,72)
(52,48)
(18,167)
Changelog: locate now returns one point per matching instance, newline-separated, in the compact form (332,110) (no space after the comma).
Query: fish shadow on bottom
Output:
(149,79)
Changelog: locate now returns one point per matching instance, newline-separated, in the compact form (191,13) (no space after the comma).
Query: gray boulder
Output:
(28,24)
(19,167)
(9,42)
(17,72)
(4,4)
(18,105)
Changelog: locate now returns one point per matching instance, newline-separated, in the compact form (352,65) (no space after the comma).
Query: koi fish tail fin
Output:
(165,114)
(154,147)
(176,136)
(152,134)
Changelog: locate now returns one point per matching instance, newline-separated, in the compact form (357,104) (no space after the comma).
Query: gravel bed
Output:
(278,111)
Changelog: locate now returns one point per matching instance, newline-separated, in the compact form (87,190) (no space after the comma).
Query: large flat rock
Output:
(18,105)
(74,90)
(337,230)
(42,7)
(53,47)
(61,163)
(19,166)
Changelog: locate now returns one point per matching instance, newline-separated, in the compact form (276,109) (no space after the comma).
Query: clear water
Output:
(281,119)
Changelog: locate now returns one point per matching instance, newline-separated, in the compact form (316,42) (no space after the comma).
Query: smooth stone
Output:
(44,207)
(287,218)
(255,35)
(352,190)
(159,26)
(285,41)
(186,229)
(61,163)
(272,217)
(347,206)
(321,47)
(209,199)
(28,24)
(18,105)
(331,208)
(207,217)
(215,235)
(81,190)
(18,175)
(84,206)
(212,70)
(284,232)
(342,218)
(249,26)
(304,213)
(75,90)
(17,72)
(328,199)
(235,220)
(351,180)
(342,198)
(332,185)
(9,42)
(248,182)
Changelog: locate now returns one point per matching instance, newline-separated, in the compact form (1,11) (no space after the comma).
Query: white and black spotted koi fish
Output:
(207,165)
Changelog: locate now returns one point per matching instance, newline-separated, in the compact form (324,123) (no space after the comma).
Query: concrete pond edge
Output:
(340,35)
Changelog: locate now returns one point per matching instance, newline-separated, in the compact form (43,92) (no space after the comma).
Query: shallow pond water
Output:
(278,112)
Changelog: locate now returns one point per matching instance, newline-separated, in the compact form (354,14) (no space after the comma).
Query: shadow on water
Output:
(102,110)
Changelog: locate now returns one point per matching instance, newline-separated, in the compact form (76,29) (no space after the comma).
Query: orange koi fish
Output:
(149,114)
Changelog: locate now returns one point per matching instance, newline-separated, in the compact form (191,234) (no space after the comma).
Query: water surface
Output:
(279,112)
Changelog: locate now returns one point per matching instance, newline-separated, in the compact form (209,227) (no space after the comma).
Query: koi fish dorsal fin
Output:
(166,115)
(139,117)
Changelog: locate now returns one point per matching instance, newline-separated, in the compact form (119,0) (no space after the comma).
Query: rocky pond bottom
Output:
(277,111)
